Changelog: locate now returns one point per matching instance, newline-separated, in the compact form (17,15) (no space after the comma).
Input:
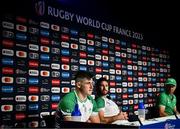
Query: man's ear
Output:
(78,84)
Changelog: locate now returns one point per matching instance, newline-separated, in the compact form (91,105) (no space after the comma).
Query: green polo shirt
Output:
(87,107)
(168,101)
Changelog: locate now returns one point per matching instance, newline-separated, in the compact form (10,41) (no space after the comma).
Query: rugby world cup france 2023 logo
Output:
(40,8)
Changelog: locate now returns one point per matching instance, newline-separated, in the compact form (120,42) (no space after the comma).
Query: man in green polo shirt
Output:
(79,101)
(167,99)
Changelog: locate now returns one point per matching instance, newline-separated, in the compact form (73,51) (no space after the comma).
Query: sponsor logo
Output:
(21,54)
(8,34)
(21,80)
(98,76)
(55,74)
(46,41)
(74,46)
(90,62)
(33,81)
(33,89)
(83,68)
(44,90)
(20,36)
(20,98)
(55,27)
(33,124)
(21,28)
(44,57)
(33,72)
(7,43)
(105,64)
(55,98)
(65,59)
(6,108)
(20,116)
(7,98)
(44,25)
(82,40)
(33,63)
(98,57)
(90,35)
(33,55)
(45,49)
(33,30)
(98,70)
(7,25)
(112,84)
(64,67)
(105,58)
(118,90)
(105,39)
(111,40)
(54,106)
(7,89)
(33,98)
(55,90)
(8,80)
(73,82)
(21,107)
(33,107)
(90,42)
(83,47)
(65,74)
(90,49)
(33,47)
(105,51)
(55,66)
(74,67)
(64,29)
(82,54)
(7,52)
(83,61)
(104,45)
(65,52)
(65,44)
(44,33)
(45,98)
(7,70)
(55,82)
(65,90)
(55,50)
(64,37)
(45,73)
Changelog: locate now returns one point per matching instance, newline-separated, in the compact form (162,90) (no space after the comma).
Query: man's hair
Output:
(81,75)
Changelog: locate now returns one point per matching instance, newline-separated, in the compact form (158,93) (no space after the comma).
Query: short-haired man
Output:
(81,96)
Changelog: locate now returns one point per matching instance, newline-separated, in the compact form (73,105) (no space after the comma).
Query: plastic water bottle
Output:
(141,112)
(76,114)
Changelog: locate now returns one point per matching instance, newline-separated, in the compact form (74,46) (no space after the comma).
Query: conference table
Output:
(169,122)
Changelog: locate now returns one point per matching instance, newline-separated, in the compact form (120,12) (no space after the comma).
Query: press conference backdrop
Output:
(41,53)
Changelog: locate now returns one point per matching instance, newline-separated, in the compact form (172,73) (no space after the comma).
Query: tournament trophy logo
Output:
(40,8)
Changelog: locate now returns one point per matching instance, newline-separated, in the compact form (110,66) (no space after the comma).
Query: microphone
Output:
(175,115)
(138,119)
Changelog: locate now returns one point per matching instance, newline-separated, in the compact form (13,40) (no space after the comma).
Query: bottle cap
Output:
(141,106)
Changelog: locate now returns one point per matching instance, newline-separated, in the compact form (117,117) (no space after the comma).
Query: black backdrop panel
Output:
(40,55)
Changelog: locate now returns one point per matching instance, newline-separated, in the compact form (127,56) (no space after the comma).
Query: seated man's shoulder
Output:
(69,97)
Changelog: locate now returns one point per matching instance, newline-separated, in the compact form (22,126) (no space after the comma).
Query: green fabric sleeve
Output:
(100,103)
(67,103)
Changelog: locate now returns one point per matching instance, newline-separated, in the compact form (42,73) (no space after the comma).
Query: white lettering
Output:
(60,13)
